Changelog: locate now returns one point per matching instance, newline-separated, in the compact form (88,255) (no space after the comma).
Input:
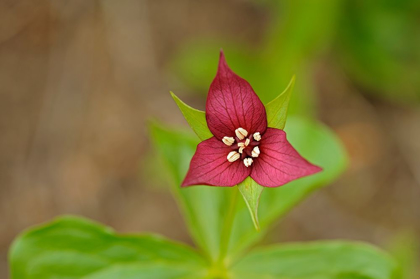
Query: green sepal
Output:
(277,108)
(251,192)
(195,118)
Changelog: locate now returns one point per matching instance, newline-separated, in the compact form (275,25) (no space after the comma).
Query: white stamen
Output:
(233,156)
(255,152)
(241,144)
(247,142)
(248,162)
(228,140)
(241,133)
(241,149)
(257,136)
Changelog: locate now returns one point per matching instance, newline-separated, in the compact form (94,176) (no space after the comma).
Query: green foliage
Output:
(76,248)
(205,207)
(71,247)
(323,149)
(316,260)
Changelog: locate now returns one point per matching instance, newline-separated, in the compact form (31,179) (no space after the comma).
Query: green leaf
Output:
(72,247)
(251,192)
(277,108)
(195,118)
(316,260)
(205,207)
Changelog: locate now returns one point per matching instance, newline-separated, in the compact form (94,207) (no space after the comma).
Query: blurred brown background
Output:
(79,79)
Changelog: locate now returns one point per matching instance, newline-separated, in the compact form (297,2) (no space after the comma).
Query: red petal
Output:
(278,162)
(232,103)
(209,166)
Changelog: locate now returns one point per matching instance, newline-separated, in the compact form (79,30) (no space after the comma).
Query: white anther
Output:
(248,162)
(241,149)
(247,142)
(228,140)
(241,133)
(257,136)
(233,156)
(241,144)
(255,152)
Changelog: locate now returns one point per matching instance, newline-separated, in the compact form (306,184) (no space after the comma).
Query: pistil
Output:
(245,149)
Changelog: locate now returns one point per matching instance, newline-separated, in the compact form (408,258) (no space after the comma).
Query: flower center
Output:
(244,147)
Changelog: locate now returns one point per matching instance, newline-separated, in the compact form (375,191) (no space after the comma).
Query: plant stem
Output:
(227,228)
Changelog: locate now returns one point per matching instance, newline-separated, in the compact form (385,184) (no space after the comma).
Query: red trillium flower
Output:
(242,145)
